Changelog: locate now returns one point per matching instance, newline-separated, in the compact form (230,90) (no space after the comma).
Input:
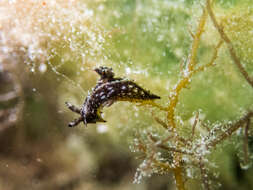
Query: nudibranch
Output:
(107,91)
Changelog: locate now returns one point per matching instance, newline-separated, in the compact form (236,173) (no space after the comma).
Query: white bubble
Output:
(32,70)
(128,70)
(43,68)
(102,128)
(12,1)
(38,159)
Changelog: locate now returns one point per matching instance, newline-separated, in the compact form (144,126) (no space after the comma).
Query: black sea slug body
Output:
(107,91)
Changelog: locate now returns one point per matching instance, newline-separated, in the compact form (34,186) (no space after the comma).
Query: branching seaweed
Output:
(231,49)
(194,149)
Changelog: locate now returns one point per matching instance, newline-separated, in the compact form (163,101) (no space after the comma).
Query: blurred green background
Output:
(48,50)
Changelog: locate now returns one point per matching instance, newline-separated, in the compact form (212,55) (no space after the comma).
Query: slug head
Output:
(105,72)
